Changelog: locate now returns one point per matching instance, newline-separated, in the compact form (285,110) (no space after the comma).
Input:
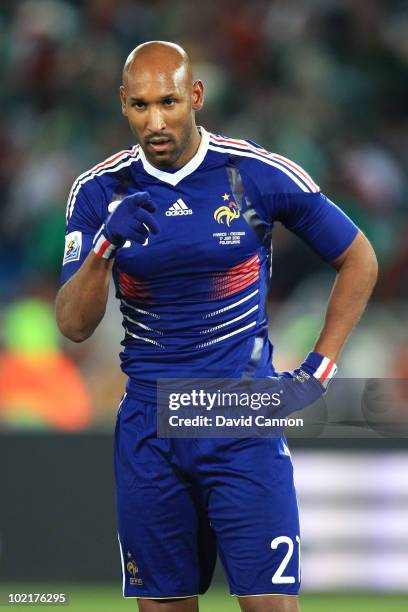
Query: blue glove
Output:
(305,385)
(132,219)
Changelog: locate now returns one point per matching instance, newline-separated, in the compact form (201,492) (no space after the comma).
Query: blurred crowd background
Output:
(324,82)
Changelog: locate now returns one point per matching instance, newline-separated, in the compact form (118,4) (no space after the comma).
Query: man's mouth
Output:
(159,144)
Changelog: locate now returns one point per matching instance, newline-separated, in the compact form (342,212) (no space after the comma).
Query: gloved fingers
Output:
(138,234)
(147,218)
(149,205)
(142,199)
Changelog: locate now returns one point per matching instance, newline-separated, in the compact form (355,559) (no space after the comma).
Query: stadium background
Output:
(324,82)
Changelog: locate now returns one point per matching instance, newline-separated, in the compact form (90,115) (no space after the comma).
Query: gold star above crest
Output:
(129,554)
(225,196)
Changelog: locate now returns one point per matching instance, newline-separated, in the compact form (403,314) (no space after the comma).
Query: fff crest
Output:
(227,212)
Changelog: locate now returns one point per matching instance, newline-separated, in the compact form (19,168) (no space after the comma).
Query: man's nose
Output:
(155,120)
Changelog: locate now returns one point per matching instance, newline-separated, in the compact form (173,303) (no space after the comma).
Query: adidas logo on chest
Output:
(178,208)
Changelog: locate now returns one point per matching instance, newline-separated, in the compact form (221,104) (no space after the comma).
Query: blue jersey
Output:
(193,298)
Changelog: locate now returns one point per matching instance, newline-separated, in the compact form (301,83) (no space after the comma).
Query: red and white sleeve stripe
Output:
(104,248)
(326,371)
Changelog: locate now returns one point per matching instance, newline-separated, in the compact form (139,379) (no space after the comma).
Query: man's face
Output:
(160,105)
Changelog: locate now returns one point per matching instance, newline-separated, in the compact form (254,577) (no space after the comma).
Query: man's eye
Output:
(169,102)
(138,105)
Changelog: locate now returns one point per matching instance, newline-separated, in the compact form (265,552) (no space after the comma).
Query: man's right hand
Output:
(132,219)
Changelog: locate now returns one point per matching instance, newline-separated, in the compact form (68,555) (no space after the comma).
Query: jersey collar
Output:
(175,177)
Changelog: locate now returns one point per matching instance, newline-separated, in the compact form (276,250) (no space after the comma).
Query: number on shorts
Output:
(278,577)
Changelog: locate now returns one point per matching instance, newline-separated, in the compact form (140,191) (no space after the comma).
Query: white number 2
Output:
(278,577)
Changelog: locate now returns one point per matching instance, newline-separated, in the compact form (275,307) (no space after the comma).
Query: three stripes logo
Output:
(178,208)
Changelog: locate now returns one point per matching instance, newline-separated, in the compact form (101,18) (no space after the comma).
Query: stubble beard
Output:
(169,161)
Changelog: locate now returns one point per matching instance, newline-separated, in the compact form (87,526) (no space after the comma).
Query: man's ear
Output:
(197,95)
(122,94)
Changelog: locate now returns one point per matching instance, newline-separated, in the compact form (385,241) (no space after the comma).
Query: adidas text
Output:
(178,208)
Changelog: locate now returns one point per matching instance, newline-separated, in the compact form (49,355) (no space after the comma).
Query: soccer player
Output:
(183,220)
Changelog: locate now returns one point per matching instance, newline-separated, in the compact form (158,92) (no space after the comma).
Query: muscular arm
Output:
(81,302)
(356,276)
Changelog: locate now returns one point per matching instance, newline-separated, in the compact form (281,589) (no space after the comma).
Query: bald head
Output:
(158,58)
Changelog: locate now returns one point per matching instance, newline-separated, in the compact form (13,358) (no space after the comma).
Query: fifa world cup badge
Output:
(73,245)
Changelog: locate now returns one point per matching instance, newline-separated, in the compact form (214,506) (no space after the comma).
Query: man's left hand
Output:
(304,385)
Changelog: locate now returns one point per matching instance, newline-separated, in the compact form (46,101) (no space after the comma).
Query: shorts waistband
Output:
(139,391)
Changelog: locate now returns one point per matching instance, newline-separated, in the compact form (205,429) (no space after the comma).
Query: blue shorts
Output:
(180,501)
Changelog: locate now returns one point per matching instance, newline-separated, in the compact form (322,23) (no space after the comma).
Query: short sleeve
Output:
(287,193)
(317,221)
(85,216)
